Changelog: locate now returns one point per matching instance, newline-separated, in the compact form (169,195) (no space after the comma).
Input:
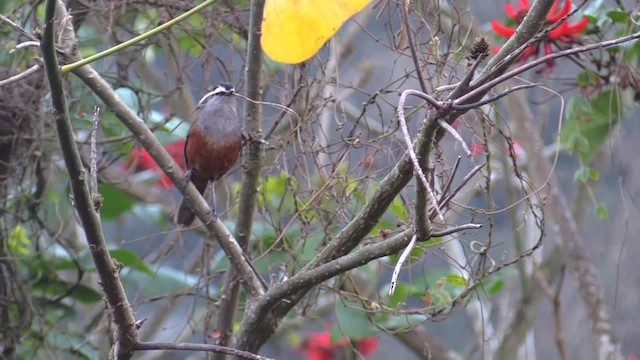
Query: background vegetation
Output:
(528,254)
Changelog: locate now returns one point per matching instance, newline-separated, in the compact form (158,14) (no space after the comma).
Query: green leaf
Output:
(54,288)
(76,345)
(116,202)
(601,211)
(585,174)
(494,286)
(400,295)
(495,283)
(456,280)
(586,78)
(351,322)
(398,209)
(127,257)
(618,16)
(589,124)
(130,259)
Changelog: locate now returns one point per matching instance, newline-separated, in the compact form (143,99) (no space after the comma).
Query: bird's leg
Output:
(213,200)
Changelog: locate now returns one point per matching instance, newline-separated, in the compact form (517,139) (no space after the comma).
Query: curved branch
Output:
(480,90)
(198,347)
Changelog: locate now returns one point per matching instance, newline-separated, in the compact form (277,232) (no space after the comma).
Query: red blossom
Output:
(566,32)
(476,149)
(143,161)
(318,346)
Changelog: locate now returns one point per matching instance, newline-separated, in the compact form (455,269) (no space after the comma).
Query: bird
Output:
(212,146)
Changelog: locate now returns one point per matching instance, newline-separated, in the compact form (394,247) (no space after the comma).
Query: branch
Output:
(22,75)
(70,67)
(198,347)
(125,333)
(252,164)
(481,90)
(403,257)
(506,92)
(414,159)
(530,26)
(261,318)
(18,28)
(412,45)
(146,138)
(338,266)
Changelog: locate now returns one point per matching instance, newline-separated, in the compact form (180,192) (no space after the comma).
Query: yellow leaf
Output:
(294,30)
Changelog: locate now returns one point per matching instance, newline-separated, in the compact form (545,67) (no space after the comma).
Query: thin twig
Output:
(468,77)
(554,296)
(403,257)
(18,28)
(275,105)
(445,200)
(24,45)
(21,75)
(198,347)
(508,91)
(455,230)
(447,186)
(407,138)
(455,135)
(412,45)
(94,151)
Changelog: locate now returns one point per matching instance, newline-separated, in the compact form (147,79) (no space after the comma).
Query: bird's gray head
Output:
(217,111)
(223,90)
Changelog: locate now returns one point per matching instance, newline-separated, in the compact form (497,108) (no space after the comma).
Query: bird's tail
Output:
(185,215)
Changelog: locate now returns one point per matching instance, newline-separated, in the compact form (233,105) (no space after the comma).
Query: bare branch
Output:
(253,155)
(445,198)
(467,107)
(412,155)
(22,75)
(198,347)
(94,151)
(456,229)
(455,135)
(125,334)
(401,260)
(539,61)
(19,28)
(412,45)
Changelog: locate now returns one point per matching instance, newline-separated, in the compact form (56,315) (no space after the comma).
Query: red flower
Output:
(476,149)
(318,346)
(143,161)
(565,33)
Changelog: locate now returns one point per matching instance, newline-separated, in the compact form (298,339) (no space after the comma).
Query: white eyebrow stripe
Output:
(216,91)
(219,90)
